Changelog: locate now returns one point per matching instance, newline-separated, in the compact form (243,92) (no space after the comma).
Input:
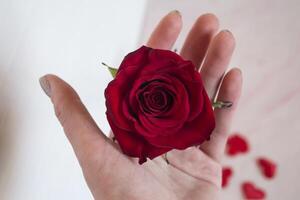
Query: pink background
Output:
(268,47)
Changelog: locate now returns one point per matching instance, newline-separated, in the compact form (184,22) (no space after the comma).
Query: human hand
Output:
(194,173)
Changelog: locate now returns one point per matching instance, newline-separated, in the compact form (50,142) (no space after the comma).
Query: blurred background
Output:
(71,39)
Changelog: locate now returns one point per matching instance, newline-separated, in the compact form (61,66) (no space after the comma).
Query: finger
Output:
(216,61)
(166,32)
(198,39)
(230,91)
(78,125)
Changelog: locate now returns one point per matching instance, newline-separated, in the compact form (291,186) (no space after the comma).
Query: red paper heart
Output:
(268,167)
(252,192)
(236,144)
(226,175)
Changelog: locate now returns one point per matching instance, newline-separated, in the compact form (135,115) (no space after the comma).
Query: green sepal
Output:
(222,104)
(113,71)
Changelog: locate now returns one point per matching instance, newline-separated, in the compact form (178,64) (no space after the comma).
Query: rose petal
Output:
(185,71)
(150,59)
(187,74)
(161,57)
(193,82)
(226,175)
(251,191)
(152,87)
(136,58)
(192,133)
(236,144)
(179,111)
(168,122)
(267,167)
(133,145)
(115,92)
(138,83)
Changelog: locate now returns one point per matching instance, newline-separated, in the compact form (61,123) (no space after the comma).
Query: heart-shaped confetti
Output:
(226,175)
(267,167)
(236,144)
(251,191)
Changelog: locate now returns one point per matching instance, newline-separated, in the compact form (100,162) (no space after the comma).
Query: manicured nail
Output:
(45,85)
(241,72)
(228,31)
(177,12)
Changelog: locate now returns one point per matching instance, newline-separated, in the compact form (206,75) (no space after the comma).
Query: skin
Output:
(194,173)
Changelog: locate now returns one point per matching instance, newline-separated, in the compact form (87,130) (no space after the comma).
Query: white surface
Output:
(268,46)
(69,38)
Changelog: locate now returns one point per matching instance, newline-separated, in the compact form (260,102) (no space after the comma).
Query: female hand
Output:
(194,173)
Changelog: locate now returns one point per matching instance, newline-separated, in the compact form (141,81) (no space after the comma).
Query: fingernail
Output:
(228,31)
(241,72)
(45,86)
(177,12)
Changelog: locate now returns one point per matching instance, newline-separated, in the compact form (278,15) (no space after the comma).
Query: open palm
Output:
(194,173)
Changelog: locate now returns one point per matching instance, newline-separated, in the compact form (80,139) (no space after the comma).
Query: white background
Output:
(71,39)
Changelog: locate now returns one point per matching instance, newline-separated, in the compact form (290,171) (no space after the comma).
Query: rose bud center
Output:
(154,99)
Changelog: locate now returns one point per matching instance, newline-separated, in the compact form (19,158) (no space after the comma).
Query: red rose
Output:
(156,103)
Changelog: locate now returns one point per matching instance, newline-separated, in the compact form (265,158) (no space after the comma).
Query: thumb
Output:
(81,130)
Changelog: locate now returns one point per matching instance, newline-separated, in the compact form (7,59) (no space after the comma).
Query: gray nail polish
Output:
(176,11)
(227,31)
(45,85)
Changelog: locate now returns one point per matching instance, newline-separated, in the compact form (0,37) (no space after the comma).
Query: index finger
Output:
(166,32)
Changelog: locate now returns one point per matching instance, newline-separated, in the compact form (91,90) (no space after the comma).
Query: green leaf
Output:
(221,104)
(113,71)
